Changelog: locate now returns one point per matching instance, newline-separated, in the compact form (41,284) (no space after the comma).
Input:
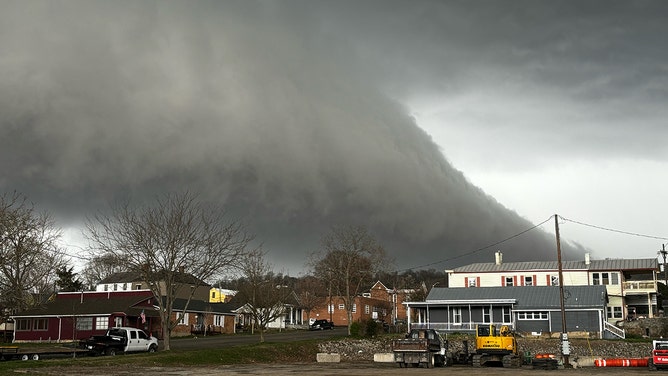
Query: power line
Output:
(480,249)
(613,230)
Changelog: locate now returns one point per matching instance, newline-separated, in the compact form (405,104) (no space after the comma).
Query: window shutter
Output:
(477,281)
(503,280)
(466,281)
(535,280)
(514,280)
(548,280)
(521,280)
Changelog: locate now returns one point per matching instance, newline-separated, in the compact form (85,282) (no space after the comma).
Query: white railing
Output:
(450,327)
(639,286)
(619,332)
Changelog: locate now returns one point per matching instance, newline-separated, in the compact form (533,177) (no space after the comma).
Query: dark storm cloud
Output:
(274,108)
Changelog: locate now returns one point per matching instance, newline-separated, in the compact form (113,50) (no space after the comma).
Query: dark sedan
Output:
(322,325)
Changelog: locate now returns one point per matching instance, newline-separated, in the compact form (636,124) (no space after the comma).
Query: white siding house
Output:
(631,284)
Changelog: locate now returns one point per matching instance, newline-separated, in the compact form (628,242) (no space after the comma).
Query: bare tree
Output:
(351,259)
(29,255)
(311,293)
(176,235)
(262,293)
(100,267)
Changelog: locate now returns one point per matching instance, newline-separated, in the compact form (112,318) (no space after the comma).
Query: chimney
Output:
(587,259)
(498,257)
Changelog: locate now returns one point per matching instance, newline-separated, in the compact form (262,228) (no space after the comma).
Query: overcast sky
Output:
(443,126)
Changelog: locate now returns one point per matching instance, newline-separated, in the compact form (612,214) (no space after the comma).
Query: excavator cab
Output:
(493,347)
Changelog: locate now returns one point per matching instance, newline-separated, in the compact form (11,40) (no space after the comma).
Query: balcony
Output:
(638,287)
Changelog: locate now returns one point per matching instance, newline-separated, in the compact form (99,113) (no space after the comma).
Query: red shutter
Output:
(477,281)
(514,280)
(548,280)
(466,281)
(535,280)
(521,280)
(503,280)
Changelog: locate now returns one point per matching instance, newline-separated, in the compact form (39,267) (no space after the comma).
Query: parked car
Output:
(322,325)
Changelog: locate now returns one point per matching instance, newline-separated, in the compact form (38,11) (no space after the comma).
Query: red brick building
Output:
(380,303)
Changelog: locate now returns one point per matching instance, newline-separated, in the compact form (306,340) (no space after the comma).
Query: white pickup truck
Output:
(121,340)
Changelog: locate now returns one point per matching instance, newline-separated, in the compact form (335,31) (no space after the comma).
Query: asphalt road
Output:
(227,340)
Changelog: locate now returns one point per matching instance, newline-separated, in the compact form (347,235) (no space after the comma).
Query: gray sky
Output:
(443,126)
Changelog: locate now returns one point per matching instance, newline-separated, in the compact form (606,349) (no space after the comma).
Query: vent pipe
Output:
(587,258)
(498,257)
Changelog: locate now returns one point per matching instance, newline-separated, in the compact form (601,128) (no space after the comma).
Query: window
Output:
(510,281)
(141,334)
(106,287)
(183,318)
(605,278)
(41,324)
(366,309)
(213,295)
(330,308)
(554,280)
(133,334)
(486,315)
(537,315)
(219,320)
(471,282)
(456,315)
(507,317)
(528,281)
(138,286)
(354,308)
(115,287)
(101,323)
(342,306)
(614,312)
(118,321)
(84,323)
(22,325)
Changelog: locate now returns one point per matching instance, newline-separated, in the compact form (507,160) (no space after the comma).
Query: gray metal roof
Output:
(609,264)
(526,297)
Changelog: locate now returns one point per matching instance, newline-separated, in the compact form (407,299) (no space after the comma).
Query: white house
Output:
(631,283)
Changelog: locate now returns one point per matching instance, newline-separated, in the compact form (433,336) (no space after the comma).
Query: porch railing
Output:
(619,332)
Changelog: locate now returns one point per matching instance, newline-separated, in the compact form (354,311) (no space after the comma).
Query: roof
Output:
(608,264)
(523,297)
(90,303)
(204,307)
(122,277)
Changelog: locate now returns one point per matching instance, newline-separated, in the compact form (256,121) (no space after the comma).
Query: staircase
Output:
(616,331)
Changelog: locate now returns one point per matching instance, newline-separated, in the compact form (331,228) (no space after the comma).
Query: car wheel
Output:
(111,352)
(152,348)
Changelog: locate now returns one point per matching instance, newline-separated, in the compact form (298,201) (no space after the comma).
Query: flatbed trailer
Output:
(36,353)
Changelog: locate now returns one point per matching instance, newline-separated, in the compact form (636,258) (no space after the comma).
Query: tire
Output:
(35,357)
(152,348)
(24,357)
(650,364)
(110,351)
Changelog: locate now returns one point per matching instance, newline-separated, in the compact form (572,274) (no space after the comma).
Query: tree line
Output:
(179,234)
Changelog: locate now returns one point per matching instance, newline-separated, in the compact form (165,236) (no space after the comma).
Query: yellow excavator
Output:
(494,348)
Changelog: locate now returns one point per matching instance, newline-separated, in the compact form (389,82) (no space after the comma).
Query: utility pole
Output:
(565,346)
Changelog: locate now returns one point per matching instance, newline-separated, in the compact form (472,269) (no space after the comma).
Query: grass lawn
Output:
(292,352)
